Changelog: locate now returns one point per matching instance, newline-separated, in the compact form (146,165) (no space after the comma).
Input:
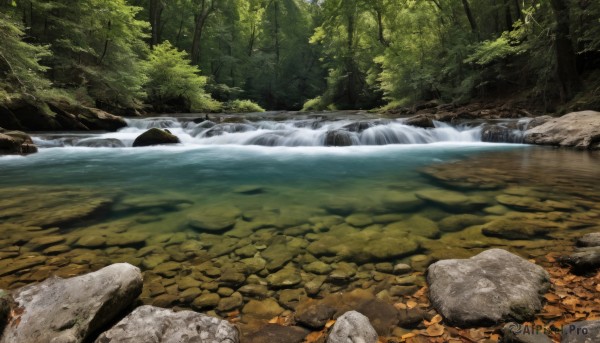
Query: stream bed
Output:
(269,209)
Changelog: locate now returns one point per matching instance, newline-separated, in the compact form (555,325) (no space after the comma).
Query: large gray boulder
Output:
(70,310)
(155,136)
(149,324)
(582,332)
(492,287)
(352,327)
(578,129)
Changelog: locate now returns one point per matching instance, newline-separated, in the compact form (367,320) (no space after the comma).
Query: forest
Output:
(129,56)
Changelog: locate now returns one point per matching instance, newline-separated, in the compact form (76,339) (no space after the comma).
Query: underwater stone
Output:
(204,301)
(285,277)
(230,303)
(318,267)
(514,229)
(215,218)
(459,222)
(262,309)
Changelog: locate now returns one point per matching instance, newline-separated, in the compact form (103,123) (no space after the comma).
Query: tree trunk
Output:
(566,65)
(470,17)
(156,9)
(508,16)
(201,16)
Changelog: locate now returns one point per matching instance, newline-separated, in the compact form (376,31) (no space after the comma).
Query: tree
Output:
(566,65)
(174,83)
(21,74)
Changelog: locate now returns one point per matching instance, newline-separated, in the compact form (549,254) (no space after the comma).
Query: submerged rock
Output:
(450,200)
(155,136)
(314,314)
(580,130)
(514,229)
(69,310)
(214,218)
(273,333)
(589,240)
(459,222)
(352,327)
(150,324)
(489,288)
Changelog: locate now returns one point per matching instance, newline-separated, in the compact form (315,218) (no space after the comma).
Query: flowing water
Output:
(267,208)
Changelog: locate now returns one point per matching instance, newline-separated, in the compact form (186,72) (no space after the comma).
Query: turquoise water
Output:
(211,204)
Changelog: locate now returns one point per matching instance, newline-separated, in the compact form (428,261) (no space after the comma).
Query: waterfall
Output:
(290,133)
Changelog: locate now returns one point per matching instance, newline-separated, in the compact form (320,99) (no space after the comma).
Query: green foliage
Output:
(21,74)
(173,80)
(95,44)
(286,54)
(315,104)
(242,106)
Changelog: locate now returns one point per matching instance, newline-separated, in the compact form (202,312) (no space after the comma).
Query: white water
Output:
(291,133)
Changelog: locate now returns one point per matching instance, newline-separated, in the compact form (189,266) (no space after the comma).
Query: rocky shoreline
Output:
(486,290)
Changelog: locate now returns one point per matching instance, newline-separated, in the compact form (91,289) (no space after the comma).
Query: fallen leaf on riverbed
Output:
(436,319)
(434,330)
(314,336)
(411,304)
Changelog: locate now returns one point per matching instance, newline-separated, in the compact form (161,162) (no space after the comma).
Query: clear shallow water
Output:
(215,202)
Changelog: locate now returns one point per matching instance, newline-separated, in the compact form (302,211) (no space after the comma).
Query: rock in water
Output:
(155,136)
(578,129)
(69,310)
(338,138)
(16,142)
(149,324)
(352,327)
(589,240)
(488,288)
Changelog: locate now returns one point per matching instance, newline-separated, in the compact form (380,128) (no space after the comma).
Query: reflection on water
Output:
(214,224)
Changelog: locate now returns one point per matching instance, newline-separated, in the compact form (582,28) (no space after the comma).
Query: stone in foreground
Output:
(582,332)
(70,310)
(155,136)
(492,287)
(352,327)
(149,324)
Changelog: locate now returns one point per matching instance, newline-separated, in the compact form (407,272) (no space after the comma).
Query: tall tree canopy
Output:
(316,54)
